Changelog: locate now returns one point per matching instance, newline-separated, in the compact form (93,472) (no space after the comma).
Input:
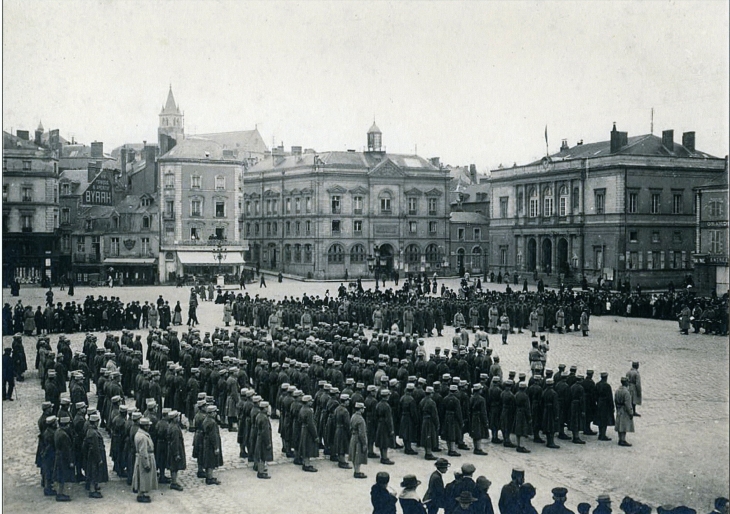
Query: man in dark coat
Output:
(409,419)
(308,439)
(94,457)
(550,413)
(577,410)
(8,375)
(479,427)
(560,495)
(591,399)
(604,407)
(48,454)
(495,408)
(212,451)
(508,413)
(523,414)
(453,420)
(509,499)
(385,432)
(176,460)
(63,468)
(263,452)
(435,497)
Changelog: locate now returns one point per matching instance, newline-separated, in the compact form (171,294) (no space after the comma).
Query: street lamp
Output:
(374,264)
(219,254)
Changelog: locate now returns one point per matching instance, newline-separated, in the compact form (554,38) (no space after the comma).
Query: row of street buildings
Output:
(644,209)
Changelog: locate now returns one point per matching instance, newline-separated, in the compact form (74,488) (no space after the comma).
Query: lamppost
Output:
(219,254)
(374,264)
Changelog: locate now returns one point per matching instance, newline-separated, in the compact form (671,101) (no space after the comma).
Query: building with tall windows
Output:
(30,208)
(618,210)
(325,214)
(711,240)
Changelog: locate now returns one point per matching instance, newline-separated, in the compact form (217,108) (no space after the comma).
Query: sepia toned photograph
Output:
(418,257)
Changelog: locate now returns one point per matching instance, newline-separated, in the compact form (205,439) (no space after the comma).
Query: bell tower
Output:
(375,139)
(171,129)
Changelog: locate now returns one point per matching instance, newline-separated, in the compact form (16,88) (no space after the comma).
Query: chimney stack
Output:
(473,173)
(296,150)
(688,141)
(97,150)
(668,140)
(618,139)
(436,161)
(123,159)
(564,145)
(93,170)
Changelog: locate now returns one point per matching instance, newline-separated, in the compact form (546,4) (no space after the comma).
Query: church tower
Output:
(171,129)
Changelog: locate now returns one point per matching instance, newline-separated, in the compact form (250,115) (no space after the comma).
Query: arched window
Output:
(476,251)
(115,222)
(386,206)
(534,203)
(548,202)
(432,253)
(307,253)
(336,254)
(287,253)
(563,205)
(412,254)
(357,254)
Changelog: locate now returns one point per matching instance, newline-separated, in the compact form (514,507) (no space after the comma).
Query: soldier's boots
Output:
(522,449)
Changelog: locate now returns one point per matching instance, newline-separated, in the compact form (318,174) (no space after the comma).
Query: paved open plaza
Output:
(679,454)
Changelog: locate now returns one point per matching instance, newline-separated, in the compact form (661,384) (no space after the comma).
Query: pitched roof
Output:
(355,160)
(239,142)
(79,179)
(646,145)
(196,148)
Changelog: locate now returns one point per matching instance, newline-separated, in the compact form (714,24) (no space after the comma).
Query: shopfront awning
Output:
(129,261)
(231,258)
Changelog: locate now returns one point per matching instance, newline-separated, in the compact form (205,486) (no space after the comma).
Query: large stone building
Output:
(617,210)
(324,214)
(711,242)
(30,208)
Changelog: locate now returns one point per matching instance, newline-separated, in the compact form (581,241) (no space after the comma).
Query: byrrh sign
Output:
(99,192)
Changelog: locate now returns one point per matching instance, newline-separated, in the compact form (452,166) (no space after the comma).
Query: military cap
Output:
(122,408)
(359,405)
(251,393)
(560,492)
(603,498)
(518,472)
(256,398)
(624,380)
(508,382)
(46,405)
(561,366)
(306,398)
(453,387)
(92,411)
(285,385)
(211,408)
(200,403)
(589,372)
(264,405)
(64,420)
(580,376)
(604,373)
(51,373)
(80,405)
(496,379)
(477,386)
(360,385)
(166,411)
(145,422)
(94,418)
(385,392)
(65,400)
(384,378)
(51,420)
(350,381)
(429,390)
(298,392)
(412,378)
(344,396)
(116,398)
(522,384)
(136,415)
(393,381)
(410,386)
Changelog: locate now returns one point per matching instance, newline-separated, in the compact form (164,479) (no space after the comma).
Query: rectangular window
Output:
(248,229)
(297,205)
(196,208)
(96,245)
(357,226)
(676,259)
(431,227)
(633,203)
(335,227)
(412,227)
(307,227)
(503,255)
(520,203)
(194,234)
(548,206)
(412,206)
(297,253)
(633,236)
(65,215)
(248,208)
(336,205)
(287,206)
(432,206)
(26,165)
(677,203)
(81,244)
(563,206)
(220,183)
(534,207)
(598,258)
(26,222)
(503,206)
(65,242)
(268,228)
(600,201)
(676,237)
(308,204)
(169,207)
(220,209)
(576,198)
(65,189)
(655,260)
(633,262)
(716,208)
(287,228)
(27,193)
(195,181)
(114,248)
(477,234)
(385,206)
(297,228)
(268,207)
(169,181)
(655,197)
(145,245)
(357,204)
(655,237)
(460,234)
(256,208)
(715,241)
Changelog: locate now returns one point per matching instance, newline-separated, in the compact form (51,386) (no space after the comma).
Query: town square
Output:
(487,272)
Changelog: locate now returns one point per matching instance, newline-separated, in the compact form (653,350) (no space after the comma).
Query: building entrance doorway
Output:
(531,255)
(547,255)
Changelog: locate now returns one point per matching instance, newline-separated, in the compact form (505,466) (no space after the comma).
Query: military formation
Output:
(347,377)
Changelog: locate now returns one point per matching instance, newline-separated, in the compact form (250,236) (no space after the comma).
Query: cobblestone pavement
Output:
(680,453)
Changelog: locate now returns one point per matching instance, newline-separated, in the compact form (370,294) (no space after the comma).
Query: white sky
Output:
(471,82)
